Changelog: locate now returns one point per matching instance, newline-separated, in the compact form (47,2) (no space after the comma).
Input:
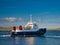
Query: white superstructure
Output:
(31,25)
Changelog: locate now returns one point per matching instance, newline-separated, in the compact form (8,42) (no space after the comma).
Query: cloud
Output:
(10,19)
(20,19)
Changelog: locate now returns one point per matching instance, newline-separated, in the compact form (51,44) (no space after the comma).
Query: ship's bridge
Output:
(31,25)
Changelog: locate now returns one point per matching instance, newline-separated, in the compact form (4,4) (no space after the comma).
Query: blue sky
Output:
(16,12)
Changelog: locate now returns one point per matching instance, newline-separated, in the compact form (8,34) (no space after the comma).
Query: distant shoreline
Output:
(47,29)
(10,28)
(54,29)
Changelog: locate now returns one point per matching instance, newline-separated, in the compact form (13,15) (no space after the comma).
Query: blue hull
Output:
(34,33)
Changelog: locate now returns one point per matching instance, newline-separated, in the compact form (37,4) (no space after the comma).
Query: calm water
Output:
(50,38)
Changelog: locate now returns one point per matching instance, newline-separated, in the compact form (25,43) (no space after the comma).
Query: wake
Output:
(52,36)
(5,35)
(33,36)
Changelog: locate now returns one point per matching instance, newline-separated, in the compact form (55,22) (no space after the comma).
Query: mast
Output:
(30,17)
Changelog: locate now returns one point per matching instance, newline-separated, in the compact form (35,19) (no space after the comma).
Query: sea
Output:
(51,37)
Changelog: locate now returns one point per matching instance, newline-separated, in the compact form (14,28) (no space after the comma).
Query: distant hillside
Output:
(5,28)
(54,29)
(59,28)
(10,28)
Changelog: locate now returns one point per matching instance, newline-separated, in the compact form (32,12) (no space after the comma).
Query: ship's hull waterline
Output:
(39,32)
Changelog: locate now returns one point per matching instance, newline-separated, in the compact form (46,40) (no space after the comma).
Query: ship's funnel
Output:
(14,28)
(20,28)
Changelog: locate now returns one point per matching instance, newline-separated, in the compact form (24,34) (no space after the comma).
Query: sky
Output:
(46,13)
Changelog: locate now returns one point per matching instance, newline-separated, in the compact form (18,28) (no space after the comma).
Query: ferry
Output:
(30,29)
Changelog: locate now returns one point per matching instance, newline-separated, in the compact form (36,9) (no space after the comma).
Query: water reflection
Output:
(19,40)
(23,40)
(30,41)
